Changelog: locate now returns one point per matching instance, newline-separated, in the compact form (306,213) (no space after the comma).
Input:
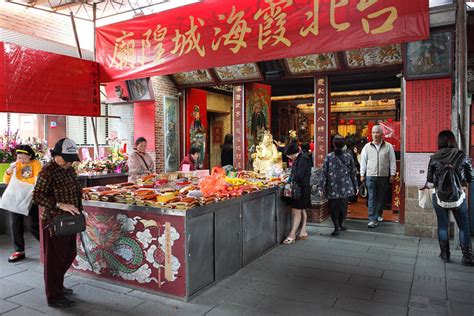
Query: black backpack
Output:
(448,188)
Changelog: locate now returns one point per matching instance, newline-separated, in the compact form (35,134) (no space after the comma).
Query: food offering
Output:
(182,193)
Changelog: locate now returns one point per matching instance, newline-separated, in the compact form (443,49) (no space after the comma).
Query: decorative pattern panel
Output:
(374,56)
(238,72)
(312,63)
(193,77)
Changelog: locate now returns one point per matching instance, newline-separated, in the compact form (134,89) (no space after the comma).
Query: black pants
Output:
(338,209)
(18,230)
(59,253)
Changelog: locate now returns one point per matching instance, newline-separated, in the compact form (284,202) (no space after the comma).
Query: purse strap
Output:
(143,159)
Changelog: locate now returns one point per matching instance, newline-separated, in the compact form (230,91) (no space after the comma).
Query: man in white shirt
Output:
(378,168)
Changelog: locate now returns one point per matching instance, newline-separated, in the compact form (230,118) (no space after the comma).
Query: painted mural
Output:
(374,56)
(196,124)
(312,63)
(193,77)
(238,72)
(257,111)
(139,251)
(171,146)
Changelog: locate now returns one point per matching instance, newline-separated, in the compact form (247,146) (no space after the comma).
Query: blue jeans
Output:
(461,217)
(376,191)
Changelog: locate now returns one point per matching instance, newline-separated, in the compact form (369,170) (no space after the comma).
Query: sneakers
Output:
(380,219)
(372,224)
(17,256)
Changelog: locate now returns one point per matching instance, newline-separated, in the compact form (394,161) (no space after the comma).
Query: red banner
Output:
(33,81)
(428,112)
(218,33)
(321,120)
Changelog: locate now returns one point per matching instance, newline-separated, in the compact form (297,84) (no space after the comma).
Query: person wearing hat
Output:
(25,170)
(58,191)
(300,176)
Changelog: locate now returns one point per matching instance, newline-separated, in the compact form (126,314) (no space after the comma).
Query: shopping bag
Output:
(18,196)
(424,198)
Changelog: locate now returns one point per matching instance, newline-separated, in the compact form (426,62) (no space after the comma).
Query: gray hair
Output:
(377,127)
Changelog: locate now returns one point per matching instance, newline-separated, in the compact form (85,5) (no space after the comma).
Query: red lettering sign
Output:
(218,33)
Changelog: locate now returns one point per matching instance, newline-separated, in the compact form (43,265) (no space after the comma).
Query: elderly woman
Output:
(58,191)
(140,163)
(300,176)
(338,182)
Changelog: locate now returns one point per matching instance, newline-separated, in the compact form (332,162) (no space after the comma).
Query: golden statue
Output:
(266,155)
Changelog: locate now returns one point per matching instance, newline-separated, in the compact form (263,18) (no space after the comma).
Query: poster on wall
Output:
(171,128)
(257,110)
(428,111)
(196,123)
(416,168)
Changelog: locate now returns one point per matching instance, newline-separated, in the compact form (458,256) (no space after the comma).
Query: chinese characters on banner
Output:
(215,33)
(396,190)
(238,127)
(321,120)
(428,111)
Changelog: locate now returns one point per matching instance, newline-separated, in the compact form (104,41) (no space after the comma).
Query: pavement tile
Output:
(175,304)
(74,280)
(428,304)
(397,276)
(467,276)
(36,300)
(377,283)
(22,311)
(10,288)
(369,307)
(387,265)
(391,298)
(104,312)
(461,285)
(28,278)
(6,306)
(287,307)
(421,312)
(227,309)
(234,282)
(153,308)
(461,309)
(433,288)
(244,298)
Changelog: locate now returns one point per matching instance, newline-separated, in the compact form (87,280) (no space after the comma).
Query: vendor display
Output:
(175,192)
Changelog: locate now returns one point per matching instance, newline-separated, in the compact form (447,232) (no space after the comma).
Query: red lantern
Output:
(390,120)
(342,121)
(352,121)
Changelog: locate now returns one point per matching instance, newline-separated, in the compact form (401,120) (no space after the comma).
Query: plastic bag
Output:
(213,184)
(18,196)
(424,198)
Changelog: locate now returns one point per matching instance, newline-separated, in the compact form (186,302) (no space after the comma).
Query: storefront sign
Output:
(219,33)
(321,120)
(238,128)
(428,112)
(33,81)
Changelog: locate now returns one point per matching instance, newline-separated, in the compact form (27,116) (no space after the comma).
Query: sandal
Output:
(16,256)
(302,237)
(289,241)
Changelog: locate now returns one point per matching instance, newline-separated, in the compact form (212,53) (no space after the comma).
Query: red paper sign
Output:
(218,33)
(321,120)
(428,112)
(33,81)
(396,190)
(238,128)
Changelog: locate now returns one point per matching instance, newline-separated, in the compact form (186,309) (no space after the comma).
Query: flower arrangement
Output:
(116,161)
(8,142)
(39,145)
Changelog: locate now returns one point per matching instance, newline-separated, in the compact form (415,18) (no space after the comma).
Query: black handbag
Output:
(296,191)
(67,224)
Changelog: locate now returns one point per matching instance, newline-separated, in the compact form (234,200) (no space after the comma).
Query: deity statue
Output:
(266,155)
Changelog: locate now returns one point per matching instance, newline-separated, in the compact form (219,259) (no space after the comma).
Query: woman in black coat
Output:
(300,176)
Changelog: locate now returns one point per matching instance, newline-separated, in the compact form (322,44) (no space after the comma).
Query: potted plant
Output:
(8,142)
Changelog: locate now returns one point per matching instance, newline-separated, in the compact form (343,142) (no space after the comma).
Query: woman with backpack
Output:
(338,182)
(449,170)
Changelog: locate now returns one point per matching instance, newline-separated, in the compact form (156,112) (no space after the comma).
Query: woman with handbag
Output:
(338,182)
(21,178)
(301,191)
(449,170)
(140,162)
(58,191)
